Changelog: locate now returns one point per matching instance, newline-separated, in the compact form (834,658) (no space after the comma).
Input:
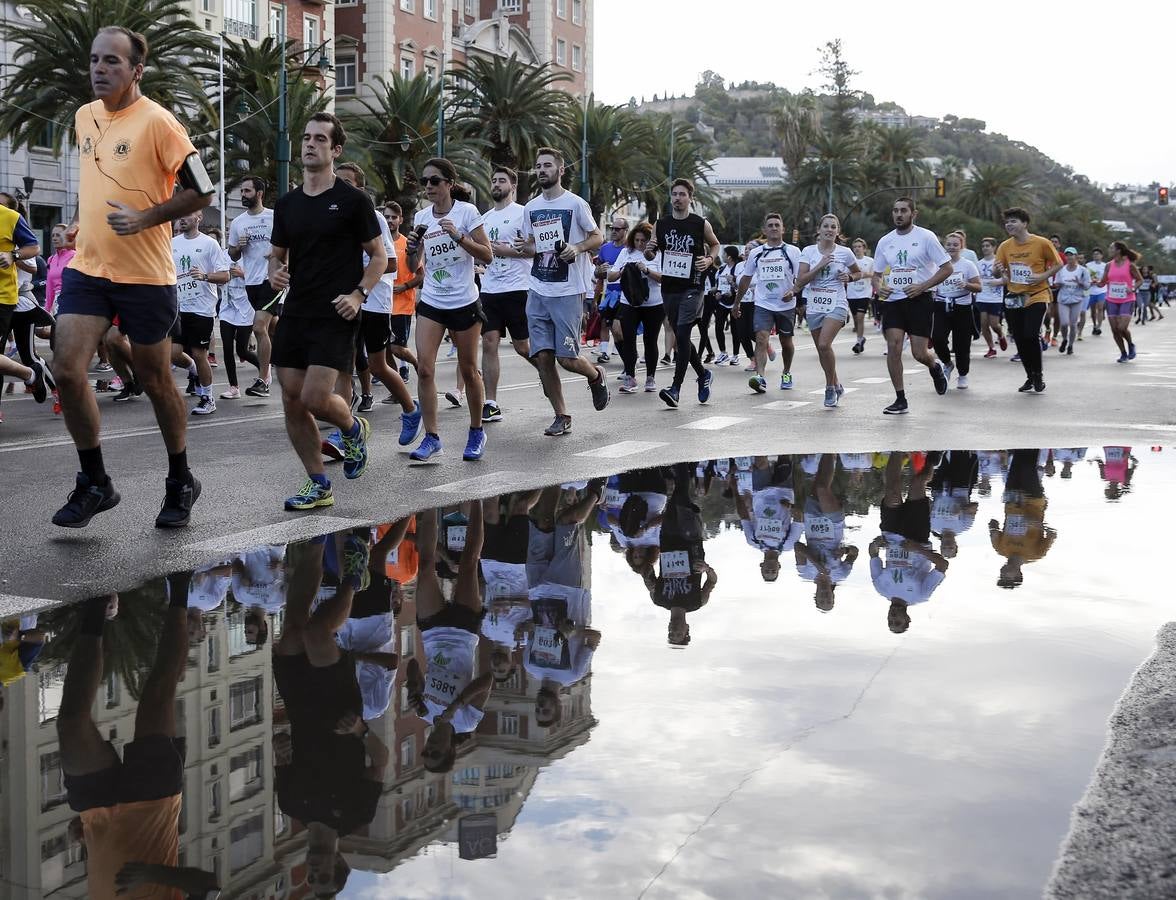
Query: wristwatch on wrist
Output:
(362,290)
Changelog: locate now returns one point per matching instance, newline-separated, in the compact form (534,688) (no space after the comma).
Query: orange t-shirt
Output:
(1020,261)
(405,560)
(129,156)
(404,303)
(147,831)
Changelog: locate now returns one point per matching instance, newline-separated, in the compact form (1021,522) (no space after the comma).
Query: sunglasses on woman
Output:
(434,180)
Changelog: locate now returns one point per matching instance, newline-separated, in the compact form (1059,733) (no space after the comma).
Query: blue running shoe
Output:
(429,447)
(333,446)
(355,455)
(475,445)
(669,397)
(355,562)
(704,386)
(410,426)
(1131,351)
(310,495)
(757,383)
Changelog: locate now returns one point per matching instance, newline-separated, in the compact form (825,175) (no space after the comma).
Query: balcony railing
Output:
(241,29)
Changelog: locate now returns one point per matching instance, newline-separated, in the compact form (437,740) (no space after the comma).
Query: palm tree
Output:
(397,133)
(672,150)
(899,151)
(514,106)
(993,189)
(616,161)
(52,56)
(796,124)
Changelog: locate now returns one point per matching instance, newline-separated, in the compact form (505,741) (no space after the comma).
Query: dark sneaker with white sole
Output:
(85,501)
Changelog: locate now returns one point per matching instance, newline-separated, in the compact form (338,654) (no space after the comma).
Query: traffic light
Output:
(1162,196)
(941,187)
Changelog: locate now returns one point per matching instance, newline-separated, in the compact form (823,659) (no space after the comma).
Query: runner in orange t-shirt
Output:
(404,292)
(132,152)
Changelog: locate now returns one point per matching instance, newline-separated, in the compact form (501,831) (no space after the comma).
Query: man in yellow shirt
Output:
(17,242)
(1026,262)
(132,153)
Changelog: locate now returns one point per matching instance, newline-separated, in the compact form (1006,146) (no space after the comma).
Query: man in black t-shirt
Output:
(321,232)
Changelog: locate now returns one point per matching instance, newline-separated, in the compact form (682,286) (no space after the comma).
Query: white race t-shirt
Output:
(566,219)
(825,293)
(632,256)
(449,270)
(991,287)
(952,288)
(260,579)
(908,259)
(773,271)
(450,657)
(379,298)
(505,275)
(907,576)
(205,254)
(1073,285)
(252,234)
(862,289)
(236,308)
(1096,270)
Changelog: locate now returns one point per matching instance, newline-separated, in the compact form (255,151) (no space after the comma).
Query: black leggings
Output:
(745,330)
(236,337)
(957,325)
(709,304)
(1025,330)
(21,329)
(722,317)
(651,318)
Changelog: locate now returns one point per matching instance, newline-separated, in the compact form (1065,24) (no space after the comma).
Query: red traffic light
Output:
(1162,196)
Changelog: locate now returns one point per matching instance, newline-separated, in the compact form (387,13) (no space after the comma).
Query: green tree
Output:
(513,106)
(843,97)
(796,123)
(673,150)
(397,133)
(616,162)
(993,189)
(51,62)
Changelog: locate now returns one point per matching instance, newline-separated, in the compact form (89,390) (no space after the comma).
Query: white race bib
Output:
(1117,291)
(546,646)
(898,556)
(677,264)
(441,251)
(675,563)
(769,529)
(743,463)
(1020,273)
(548,233)
(822,299)
(613,497)
(953,284)
(1015,525)
(743,482)
(819,526)
(899,278)
(1115,454)
(455,538)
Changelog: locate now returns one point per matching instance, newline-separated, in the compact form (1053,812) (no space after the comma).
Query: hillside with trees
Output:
(813,131)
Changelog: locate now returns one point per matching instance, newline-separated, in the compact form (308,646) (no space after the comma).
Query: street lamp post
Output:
(441,108)
(585,191)
(223,215)
(283,155)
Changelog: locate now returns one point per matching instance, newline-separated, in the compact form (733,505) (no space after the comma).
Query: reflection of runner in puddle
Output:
(129,808)
(764,498)
(1117,468)
(1067,457)
(952,509)
(321,773)
(822,556)
(911,570)
(1025,537)
(679,586)
(446,694)
(504,573)
(633,510)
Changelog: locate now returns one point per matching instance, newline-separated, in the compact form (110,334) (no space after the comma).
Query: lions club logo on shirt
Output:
(122,149)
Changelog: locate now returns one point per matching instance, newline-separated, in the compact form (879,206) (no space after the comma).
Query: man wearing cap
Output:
(1073,284)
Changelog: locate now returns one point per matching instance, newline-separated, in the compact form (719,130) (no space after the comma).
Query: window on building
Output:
(407,642)
(208,5)
(310,31)
(508,723)
(241,18)
(245,844)
(561,52)
(431,71)
(510,6)
(277,22)
(430,9)
(577,57)
(214,726)
(113,691)
(407,65)
(244,703)
(208,24)
(238,646)
(561,8)
(345,69)
(408,5)
(346,2)
(408,752)
(245,774)
(577,12)
(52,780)
(213,645)
(215,801)
(471,8)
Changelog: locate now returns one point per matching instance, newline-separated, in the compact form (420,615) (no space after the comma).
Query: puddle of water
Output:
(834,676)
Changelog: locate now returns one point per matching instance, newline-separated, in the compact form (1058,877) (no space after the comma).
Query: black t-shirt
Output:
(677,239)
(324,235)
(344,799)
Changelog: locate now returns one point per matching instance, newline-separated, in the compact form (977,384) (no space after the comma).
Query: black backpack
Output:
(634,285)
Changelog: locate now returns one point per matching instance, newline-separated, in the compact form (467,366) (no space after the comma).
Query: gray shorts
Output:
(816,320)
(682,308)
(554,323)
(767,319)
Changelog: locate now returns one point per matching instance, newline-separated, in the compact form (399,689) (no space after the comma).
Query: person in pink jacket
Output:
(63,252)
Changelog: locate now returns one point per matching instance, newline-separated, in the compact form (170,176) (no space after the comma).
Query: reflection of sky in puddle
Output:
(787,752)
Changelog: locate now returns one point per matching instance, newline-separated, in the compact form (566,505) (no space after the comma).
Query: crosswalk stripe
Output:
(622,448)
(714,423)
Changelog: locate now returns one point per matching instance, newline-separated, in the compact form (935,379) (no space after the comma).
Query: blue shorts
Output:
(146,312)
(1126,308)
(554,323)
(1095,300)
(993,309)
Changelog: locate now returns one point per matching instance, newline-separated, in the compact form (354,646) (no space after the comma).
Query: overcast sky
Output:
(933,59)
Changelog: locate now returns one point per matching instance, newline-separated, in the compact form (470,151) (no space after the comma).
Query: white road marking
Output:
(846,391)
(785,404)
(278,533)
(108,436)
(871,381)
(489,484)
(1152,384)
(623,448)
(715,423)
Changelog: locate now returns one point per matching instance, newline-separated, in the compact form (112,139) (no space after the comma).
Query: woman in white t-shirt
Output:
(953,316)
(649,315)
(860,293)
(449,233)
(727,281)
(825,269)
